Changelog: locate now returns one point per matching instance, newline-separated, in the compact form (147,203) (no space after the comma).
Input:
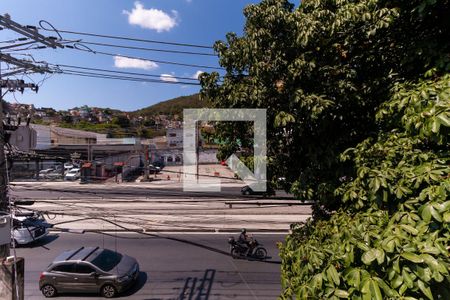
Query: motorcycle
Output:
(238,250)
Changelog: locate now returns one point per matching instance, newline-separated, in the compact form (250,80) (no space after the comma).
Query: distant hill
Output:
(172,107)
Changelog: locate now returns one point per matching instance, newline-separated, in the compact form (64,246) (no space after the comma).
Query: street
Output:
(160,206)
(192,266)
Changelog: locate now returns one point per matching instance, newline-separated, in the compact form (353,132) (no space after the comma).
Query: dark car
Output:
(247,190)
(89,270)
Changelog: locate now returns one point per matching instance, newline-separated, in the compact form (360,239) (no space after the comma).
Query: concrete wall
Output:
(24,138)
(175,156)
(43,136)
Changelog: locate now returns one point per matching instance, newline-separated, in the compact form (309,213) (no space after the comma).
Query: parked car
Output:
(89,270)
(43,174)
(68,167)
(56,174)
(153,169)
(73,174)
(247,190)
(29,227)
(159,164)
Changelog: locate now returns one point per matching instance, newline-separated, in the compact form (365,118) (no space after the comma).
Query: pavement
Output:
(188,266)
(161,206)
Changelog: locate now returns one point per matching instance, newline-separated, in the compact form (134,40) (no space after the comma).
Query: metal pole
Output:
(146,162)
(4,205)
(197,149)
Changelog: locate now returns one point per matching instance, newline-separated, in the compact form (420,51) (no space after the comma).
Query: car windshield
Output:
(107,260)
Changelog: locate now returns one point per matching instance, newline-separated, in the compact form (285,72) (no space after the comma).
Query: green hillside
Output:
(172,107)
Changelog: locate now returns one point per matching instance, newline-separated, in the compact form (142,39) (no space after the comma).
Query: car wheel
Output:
(108,291)
(247,193)
(48,291)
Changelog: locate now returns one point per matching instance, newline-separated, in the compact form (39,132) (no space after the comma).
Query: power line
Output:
(32,33)
(76,47)
(147,49)
(122,78)
(123,37)
(119,72)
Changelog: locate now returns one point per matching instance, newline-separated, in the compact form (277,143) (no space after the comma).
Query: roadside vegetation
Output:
(358,104)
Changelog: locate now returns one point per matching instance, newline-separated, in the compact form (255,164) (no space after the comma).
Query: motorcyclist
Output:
(246,241)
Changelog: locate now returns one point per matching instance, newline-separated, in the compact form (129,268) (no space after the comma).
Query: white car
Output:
(68,167)
(43,174)
(29,227)
(73,174)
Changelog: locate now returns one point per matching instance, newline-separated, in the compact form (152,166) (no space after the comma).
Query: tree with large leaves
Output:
(353,124)
(320,71)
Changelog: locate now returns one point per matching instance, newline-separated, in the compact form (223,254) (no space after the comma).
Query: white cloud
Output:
(125,62)
(197,74)
(151,18)
(168,78)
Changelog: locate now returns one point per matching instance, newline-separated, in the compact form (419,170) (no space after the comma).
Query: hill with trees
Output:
(172,107)
(146,122)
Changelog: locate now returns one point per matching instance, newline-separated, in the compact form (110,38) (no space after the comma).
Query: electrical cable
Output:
(119,72)
(123,38)
(87,49)
(123,78)
(146,49)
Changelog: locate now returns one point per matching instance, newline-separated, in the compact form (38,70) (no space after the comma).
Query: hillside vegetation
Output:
(172,107)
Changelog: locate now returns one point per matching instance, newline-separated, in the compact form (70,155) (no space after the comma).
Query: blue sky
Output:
(186,21)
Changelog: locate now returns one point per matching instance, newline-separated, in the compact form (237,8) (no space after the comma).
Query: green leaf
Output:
(426,213)
(386,288)
(435,126)
(409,229)
(317,281)
(398,280)
(407,279)
(373,254)
(371,290)
(423,273)
(446,217)
(425,289)
(342,294)
(375,290)
(353,277)
(435,214)
(412,257)
(333,274)
(444,119)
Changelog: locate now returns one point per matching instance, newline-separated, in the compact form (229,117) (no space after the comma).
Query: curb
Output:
(149,231)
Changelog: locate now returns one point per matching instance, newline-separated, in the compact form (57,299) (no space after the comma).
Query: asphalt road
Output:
(194,266)
(155,189)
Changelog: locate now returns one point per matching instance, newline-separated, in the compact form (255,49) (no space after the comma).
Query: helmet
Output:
(243,230)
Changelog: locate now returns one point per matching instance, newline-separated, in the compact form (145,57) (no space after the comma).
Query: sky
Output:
(198,22)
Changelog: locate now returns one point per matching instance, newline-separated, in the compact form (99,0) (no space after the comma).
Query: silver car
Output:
(89,270)
(29,227)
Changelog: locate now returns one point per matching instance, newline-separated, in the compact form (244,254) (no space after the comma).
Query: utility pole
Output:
(146,162)
(12,271)
(4,203)
(197,150)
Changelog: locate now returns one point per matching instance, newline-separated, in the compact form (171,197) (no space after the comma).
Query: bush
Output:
(391,238)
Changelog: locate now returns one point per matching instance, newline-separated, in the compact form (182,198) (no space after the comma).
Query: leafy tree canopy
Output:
(357,97)
(320,71)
